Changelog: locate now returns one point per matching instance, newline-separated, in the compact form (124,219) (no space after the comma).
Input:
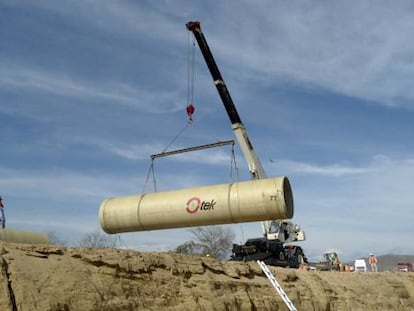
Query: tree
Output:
(215,241)
(98,239)
(186,248)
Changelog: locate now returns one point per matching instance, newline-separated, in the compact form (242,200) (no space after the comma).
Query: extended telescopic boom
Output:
(255,167)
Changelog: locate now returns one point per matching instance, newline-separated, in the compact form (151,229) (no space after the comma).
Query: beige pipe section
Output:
(257,200)
(19,236)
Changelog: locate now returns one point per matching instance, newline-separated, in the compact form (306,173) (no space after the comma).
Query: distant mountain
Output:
(389,262)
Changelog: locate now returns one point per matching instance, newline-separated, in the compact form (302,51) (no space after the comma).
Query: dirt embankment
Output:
(58,278)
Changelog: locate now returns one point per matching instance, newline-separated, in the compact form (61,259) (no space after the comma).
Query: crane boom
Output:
(255,167)
(275,229)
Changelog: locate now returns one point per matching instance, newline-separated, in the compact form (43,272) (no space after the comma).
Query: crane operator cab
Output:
(283,231)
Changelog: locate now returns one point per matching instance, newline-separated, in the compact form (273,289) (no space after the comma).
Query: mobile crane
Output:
(270,248)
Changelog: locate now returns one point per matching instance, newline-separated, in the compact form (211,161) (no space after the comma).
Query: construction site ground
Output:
(60,278)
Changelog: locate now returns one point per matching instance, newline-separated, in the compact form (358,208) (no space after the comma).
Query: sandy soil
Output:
(58,278)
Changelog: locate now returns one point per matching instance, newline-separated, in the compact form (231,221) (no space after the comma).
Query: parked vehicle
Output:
(329,262)
(405,267)
(360,265)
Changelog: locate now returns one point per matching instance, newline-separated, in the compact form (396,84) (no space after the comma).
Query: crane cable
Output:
(190,108)
(235,179)
(190,72)
(190,88)
(151,170)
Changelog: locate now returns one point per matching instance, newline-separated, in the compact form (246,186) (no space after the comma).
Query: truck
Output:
(271,248)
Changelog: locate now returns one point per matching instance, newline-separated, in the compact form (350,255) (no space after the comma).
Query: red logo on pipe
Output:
(194,204)
(197,203)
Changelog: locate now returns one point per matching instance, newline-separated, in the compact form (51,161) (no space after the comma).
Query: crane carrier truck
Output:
(272,247)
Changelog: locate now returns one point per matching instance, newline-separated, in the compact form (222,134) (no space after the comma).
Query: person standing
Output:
(2,216)
(373,262)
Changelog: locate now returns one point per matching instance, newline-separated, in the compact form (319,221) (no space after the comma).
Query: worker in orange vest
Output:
(373,262)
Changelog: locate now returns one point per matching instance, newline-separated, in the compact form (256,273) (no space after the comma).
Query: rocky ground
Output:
(58,278)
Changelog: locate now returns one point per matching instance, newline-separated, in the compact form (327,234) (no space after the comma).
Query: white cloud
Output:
(61,184)
(369,208)
(144,151)
(23,77)
(293,167)
(133,152)
(360,49)
(122,18)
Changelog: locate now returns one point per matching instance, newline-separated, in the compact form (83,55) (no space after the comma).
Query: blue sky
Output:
(90,89)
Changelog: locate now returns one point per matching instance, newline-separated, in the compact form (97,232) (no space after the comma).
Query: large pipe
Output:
(247,201)
(19,236)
